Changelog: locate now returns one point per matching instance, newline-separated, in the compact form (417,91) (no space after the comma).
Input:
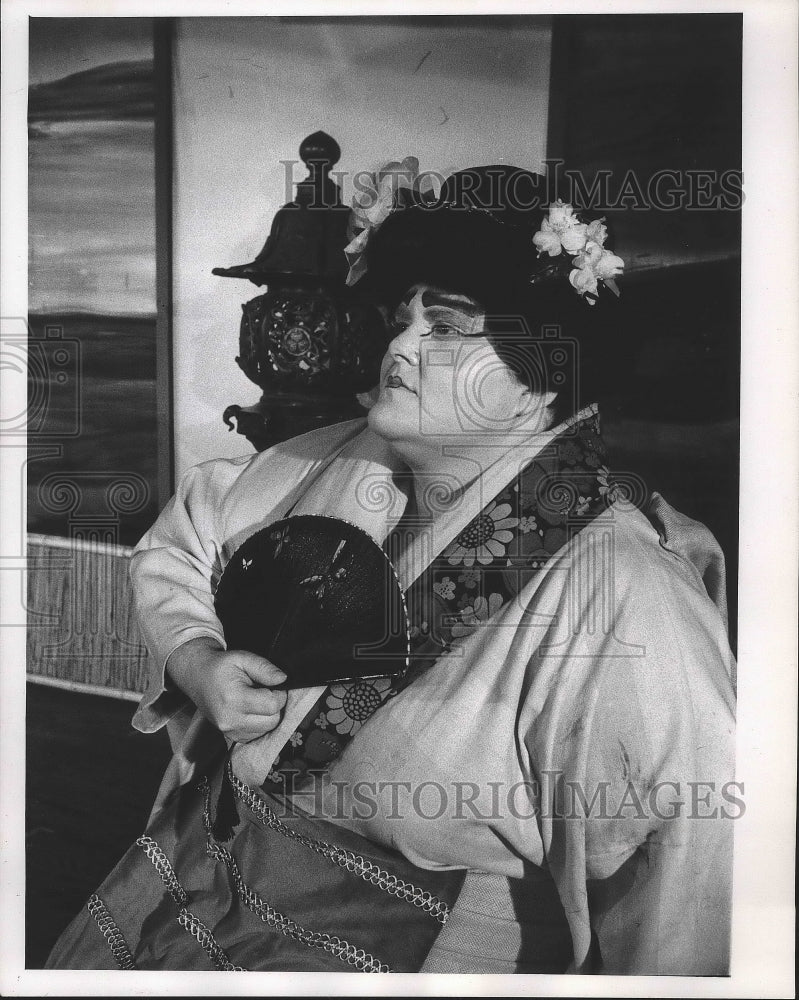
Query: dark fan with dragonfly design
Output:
(319,598)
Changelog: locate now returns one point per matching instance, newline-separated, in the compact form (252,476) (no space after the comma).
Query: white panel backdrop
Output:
(248,90)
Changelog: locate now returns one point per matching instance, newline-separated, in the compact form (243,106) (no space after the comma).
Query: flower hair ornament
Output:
(563,236)
(394,186)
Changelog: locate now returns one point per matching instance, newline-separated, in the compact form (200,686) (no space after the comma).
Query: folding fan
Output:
(319,598)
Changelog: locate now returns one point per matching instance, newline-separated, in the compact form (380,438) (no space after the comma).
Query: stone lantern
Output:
(309,343)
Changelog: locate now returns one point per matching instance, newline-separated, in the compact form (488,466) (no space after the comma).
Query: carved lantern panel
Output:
(309,343)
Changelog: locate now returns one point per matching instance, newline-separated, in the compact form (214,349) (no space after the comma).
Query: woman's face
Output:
(442,379)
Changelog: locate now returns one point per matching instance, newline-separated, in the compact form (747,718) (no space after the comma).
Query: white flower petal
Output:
(559,214)
(508,522)
(495,547)
(503,536)
(365,198)
(583,280)
(494,604)
(594,253)
(502,511)
(547,243)
(597,232)
(356,246)
(456,556)
(574,239)
(609,265)
(356,272)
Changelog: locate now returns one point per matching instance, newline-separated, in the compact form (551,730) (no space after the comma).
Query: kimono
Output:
(558,779)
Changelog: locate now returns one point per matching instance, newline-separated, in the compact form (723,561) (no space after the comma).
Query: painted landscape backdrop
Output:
(92,305)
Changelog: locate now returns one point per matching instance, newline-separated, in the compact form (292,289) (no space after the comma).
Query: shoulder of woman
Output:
(623,566)
(632,647)
(281,459)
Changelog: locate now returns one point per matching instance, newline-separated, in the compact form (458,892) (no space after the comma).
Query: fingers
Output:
(260,670)
(257,711)
(263,701)
(239,697)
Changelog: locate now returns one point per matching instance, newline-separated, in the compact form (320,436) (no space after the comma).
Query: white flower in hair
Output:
(592,265)
(562,230)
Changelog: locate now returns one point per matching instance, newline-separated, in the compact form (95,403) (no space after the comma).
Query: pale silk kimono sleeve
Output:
(630,734)
(176,565)
(173,572)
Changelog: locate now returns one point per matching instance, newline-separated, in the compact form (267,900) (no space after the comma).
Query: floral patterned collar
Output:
(563,488)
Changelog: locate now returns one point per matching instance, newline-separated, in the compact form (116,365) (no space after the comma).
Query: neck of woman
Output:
(442,472)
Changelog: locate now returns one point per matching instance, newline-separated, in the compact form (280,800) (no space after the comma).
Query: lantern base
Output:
(272,419)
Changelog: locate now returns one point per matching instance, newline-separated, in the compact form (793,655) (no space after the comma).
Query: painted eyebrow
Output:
(457,302)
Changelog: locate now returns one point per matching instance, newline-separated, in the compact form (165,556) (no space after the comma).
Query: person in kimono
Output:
(550,787)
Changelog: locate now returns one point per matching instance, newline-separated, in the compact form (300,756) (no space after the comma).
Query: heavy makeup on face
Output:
(448,403)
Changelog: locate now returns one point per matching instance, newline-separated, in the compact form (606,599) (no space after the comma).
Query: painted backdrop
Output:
(92,455)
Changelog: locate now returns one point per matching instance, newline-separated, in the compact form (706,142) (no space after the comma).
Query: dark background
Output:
(644,93)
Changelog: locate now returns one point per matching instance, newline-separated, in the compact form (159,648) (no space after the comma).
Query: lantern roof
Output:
(308,235)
